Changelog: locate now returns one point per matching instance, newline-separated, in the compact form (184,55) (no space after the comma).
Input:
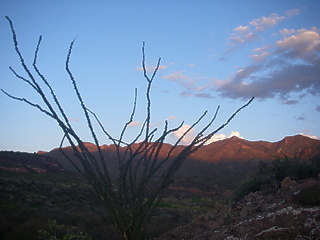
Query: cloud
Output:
(190,85)
(191,135)
(293,12)
(222,136)
(290,66)
(237,39)
(262,23)
(305,44)
(152,68)
(135,124)
(287,31)
(181,79)
(318,108)
(242,29)
(188,138)
(300,117)
(261,53)
(310,136)
(245,34)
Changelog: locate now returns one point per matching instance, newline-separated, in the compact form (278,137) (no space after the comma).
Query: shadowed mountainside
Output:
(29,163)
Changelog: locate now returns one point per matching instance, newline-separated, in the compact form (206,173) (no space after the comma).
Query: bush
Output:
(61,232)
(295,168)
(278,170)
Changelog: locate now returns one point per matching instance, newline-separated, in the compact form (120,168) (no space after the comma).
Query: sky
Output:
(213,53)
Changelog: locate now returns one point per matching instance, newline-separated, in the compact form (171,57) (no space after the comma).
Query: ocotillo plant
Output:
(142,175)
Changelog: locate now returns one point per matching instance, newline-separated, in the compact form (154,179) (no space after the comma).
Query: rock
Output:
(287,183)
(244,212)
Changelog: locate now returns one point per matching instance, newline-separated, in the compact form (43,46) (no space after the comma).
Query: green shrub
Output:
(278,170)
(61,232)
(295,168)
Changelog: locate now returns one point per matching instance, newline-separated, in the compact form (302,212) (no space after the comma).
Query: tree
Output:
(142,176)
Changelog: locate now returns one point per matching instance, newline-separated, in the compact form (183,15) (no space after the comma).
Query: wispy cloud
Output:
(181,79)
(152,68)
(172,117)
(286,31)
(135,124)
(301,117)
(291,65)
(245,34)
(191,86)
(318,108)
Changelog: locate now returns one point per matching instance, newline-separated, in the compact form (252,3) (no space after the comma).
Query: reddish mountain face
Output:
(238,149)
(235,149)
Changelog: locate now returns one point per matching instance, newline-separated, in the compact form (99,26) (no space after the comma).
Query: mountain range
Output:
(233,149)
(227,151)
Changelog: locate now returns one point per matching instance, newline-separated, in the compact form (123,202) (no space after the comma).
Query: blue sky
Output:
(213,53)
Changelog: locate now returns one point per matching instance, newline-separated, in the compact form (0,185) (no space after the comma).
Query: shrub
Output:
(61,232)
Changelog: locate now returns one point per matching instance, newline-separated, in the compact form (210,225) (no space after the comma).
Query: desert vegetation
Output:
(273,173)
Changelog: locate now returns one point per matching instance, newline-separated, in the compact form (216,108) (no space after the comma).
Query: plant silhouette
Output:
(142,176)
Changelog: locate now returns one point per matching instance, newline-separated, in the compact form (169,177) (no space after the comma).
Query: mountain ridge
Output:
(236,149)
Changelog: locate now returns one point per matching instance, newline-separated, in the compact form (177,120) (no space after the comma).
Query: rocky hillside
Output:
(289,212)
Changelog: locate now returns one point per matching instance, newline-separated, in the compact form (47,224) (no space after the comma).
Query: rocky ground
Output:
(289,210)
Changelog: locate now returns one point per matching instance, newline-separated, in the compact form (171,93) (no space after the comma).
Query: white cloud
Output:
(310,136)
(304,44)
(188,138)
(286,31)
(260,57)
(222,136)
(192,134)
(261,53)
(245,34)
(242,29)
(262,23)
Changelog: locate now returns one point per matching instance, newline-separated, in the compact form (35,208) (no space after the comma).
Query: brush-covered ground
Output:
(30,200)
(203,201)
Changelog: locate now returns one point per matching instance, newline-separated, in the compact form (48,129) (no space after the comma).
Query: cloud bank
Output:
(290,66)
(287,69)
(192,133)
